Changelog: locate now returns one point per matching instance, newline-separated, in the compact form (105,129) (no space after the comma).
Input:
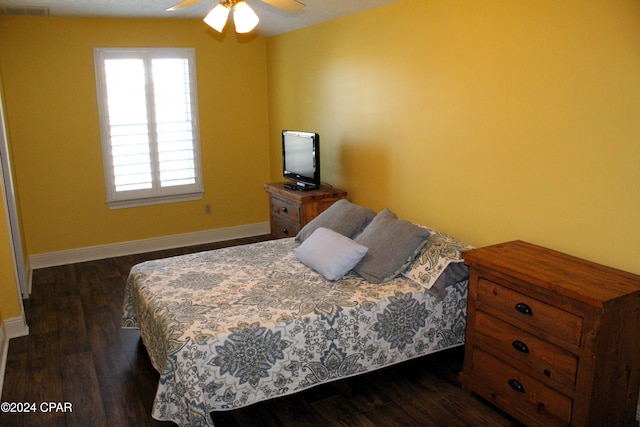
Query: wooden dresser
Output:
(292,209)
(551,339)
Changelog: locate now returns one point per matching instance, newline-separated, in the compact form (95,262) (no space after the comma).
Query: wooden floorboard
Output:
(77,352)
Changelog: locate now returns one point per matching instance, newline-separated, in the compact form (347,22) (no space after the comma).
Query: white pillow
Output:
(329,253)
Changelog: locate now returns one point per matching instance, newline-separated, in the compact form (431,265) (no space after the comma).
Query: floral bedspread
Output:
(234,326)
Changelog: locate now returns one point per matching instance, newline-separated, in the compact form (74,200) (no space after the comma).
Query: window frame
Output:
(157,194)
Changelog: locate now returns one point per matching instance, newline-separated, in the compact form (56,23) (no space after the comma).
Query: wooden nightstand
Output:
(292,209)
(552,339)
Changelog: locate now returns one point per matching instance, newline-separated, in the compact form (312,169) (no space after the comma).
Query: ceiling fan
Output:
(244,17)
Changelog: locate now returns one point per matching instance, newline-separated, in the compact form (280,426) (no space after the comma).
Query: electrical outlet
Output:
(207,209)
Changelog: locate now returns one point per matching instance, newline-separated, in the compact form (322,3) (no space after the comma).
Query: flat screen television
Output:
(301,159)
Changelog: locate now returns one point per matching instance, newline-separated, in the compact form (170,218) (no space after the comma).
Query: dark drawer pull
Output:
(285,231)
(520,346)
(515,384)
(524,309)
(284,209)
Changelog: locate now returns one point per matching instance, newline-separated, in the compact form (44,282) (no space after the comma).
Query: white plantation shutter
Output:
(148,117)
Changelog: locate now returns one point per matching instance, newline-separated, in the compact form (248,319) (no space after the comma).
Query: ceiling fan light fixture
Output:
(244,17)
(217,18)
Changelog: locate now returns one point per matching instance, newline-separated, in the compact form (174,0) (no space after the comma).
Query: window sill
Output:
(132,203)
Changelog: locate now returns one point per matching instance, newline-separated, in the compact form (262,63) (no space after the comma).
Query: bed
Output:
(234,326)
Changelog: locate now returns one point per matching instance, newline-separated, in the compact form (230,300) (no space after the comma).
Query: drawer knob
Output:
(284,209)
(285,231)
(515,384)
(524,309)
(520,346)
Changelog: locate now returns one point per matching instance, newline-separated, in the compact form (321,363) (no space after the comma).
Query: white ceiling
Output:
(272,21)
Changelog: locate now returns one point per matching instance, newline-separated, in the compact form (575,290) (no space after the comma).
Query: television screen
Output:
(301,158)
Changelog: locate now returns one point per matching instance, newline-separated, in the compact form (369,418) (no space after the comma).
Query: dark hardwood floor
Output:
(76,352)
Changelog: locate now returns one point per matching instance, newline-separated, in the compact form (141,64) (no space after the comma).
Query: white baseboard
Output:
(9,328)
(91,253)
(16,327)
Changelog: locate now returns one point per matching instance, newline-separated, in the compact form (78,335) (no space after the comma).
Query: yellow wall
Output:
(492,120)
(51,108)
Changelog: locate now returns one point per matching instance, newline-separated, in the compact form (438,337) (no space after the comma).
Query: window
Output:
(149,125)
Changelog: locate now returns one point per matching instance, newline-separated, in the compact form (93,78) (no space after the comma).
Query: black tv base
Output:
(299,187)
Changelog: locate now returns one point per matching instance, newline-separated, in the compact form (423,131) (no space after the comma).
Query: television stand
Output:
(290,210)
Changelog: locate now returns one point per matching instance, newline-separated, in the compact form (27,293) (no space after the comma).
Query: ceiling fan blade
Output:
(183,4)
(288,5)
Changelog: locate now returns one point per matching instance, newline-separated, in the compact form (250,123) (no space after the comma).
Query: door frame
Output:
(12,209)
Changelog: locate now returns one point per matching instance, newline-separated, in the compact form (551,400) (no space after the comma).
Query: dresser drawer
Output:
(538,314)
(281,227)
(546,359)
(521,391)
(287,210)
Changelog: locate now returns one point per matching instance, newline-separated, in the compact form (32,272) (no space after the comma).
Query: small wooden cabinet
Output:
(290,210)
(551,339)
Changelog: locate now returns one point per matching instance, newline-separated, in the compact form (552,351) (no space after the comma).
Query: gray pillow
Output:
(329,253)
(440,263)
(392,243)
(342,217)
(454,273)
